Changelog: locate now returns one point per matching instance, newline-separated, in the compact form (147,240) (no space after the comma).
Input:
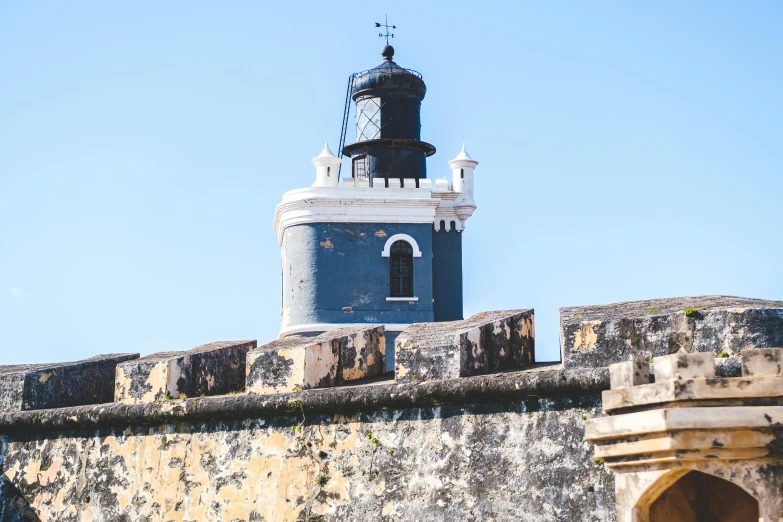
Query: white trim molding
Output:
(357,202)
(386,252)
(323,327)
(403,299)
(354,205)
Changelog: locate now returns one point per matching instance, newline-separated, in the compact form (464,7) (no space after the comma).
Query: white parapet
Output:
(393,200)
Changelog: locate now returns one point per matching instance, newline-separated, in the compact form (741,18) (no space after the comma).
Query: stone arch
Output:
(386,252)
(689,495)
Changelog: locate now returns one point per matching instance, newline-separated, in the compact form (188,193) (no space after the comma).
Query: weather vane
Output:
(387,26)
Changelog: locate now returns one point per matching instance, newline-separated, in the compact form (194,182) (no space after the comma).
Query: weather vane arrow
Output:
(387,27)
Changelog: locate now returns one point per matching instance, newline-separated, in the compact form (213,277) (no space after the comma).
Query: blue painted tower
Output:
(385,245)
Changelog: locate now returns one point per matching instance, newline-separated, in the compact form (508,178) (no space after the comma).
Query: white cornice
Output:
(363,205)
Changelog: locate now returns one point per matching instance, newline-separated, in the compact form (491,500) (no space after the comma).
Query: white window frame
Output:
(386,252)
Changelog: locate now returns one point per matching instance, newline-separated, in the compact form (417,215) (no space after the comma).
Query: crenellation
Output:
(765,361)
(211,369)
(485,343)
(683,366)
(629,373)
(640,330)
(58,385)
(299,363)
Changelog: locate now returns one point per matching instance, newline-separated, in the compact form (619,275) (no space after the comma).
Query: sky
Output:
(626,151)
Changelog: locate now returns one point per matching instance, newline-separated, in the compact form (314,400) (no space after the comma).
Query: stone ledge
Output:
(701,389)
(545,381)
(673,419)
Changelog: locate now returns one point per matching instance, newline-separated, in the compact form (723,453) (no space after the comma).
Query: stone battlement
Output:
(485,343)
(468,426)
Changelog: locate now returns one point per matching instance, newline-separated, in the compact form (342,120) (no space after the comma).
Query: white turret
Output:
(462,177)
(327,166)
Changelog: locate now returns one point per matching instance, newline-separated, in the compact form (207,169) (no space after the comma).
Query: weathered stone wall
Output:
(383,452)
(437,441)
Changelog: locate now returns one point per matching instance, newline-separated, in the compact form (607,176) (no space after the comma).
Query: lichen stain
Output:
(585,337)
(45,376)
(327,243)
(526,328)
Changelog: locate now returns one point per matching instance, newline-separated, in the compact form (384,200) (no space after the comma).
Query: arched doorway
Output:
(699,497)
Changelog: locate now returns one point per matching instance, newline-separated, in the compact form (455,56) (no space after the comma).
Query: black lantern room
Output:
(388,123)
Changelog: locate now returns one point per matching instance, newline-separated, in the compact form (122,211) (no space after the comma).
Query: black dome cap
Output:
(388,77)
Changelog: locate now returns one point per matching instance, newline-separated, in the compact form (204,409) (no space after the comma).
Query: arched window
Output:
(698,496)
(401,269)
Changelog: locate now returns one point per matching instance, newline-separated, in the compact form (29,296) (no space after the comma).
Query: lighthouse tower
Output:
(382,245)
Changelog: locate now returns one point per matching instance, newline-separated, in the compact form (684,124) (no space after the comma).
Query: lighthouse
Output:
(373,240)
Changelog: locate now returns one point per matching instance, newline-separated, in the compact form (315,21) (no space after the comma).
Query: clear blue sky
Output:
(627,151)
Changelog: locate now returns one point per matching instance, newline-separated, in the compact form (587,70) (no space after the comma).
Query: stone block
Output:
(348,182)
(378,183)
(409,183)
(211,369)
(332,358)
(684,366)
(767,361)
(594,336)
(394,183)
(425,183)
(59,385)
(629,373)
(487,342)
(441,185)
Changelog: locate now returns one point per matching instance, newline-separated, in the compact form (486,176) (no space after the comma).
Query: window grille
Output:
(401,276)
(360,170)
(368,119)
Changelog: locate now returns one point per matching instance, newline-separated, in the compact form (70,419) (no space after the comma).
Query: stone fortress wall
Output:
(468,427)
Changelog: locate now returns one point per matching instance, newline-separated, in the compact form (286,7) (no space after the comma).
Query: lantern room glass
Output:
(368,119)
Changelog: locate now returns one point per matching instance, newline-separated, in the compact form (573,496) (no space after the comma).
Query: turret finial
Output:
(463,155)
(327,152)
